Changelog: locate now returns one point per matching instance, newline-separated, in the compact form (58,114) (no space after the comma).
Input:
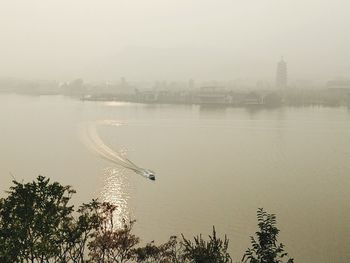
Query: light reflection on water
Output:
(115,190)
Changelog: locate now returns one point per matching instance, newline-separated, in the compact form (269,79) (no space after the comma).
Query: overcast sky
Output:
(174,39)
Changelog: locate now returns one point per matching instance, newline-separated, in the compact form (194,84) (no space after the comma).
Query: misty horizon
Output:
(201,40)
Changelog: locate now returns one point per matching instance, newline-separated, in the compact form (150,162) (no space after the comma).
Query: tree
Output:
(110,244)
(201,251)
(37,225)
(168,252)
(33,222)
(265,249)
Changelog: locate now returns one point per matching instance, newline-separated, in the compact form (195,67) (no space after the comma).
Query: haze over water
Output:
(214,166)
(174,39)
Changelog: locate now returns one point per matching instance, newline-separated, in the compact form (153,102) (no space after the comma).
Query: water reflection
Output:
(115,190)
(116,103)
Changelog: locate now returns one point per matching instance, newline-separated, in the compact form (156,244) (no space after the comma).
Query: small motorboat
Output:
(145,172)
(149,174)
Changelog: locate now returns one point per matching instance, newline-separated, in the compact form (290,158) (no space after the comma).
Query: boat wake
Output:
(90,137)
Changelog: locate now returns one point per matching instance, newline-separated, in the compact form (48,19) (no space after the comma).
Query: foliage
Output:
(37,224)
(201,251)
(168,252)
(112,245)
(34,220)
(265,248)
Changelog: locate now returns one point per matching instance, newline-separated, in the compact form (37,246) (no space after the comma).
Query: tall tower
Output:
(281,74)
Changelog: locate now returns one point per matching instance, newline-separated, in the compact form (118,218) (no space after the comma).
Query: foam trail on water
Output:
(92,140)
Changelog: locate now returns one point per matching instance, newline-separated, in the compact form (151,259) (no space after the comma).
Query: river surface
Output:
(214,166)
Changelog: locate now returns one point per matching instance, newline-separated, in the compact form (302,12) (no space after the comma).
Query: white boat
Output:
(149,174)
(146,173)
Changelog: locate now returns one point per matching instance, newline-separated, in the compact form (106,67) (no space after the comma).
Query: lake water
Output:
(213,167)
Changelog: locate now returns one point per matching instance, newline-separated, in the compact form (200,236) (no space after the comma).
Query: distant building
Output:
(213,95)
(148,96)
(124,87)
(338,84)
(281,75)
(253,98)
(74,88)
(191,84)
(338,92)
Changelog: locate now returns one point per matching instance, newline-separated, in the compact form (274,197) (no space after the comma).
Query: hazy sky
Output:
(174,39)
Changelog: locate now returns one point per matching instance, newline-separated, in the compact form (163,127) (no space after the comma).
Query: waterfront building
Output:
(339,84)
(148,96)
(253,98)
(213,95)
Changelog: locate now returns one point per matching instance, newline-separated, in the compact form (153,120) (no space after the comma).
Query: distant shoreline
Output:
(270,99)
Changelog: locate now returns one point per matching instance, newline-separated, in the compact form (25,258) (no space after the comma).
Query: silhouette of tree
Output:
(265,249)
(201,251)
(33,222)
(37,224)
(112,245)
(168,252)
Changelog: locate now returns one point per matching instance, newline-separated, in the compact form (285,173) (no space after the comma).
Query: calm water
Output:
(214,167)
